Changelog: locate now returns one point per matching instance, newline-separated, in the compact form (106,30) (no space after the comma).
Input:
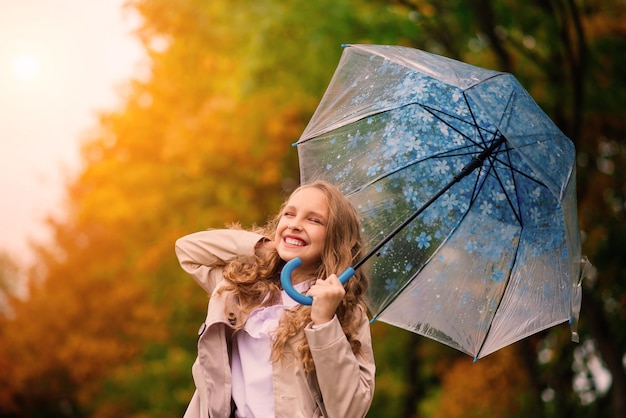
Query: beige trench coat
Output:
(342,385)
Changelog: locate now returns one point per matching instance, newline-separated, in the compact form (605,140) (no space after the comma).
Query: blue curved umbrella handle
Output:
(285,281)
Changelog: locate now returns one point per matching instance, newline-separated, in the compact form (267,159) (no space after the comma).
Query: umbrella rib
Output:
(512,264)
(363,116)
(516,210)
(476,162)
(514,169)
(435,112)
(492,158)
(446,153)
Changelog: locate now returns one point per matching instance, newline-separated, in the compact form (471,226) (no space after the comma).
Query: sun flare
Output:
(26,66)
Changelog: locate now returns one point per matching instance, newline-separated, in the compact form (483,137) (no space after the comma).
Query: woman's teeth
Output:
(292,241)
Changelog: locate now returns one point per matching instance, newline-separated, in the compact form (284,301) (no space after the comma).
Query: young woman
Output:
(260,354)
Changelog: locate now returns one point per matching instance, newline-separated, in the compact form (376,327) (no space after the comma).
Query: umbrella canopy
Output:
(466,192)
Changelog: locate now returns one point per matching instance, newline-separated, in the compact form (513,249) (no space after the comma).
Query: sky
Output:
(61,62)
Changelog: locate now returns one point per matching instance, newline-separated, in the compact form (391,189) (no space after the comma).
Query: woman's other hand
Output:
(327,295)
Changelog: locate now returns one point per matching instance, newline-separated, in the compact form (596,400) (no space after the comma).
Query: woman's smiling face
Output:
(301,229)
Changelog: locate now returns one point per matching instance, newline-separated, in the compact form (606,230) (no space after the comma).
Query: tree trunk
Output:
(612,357)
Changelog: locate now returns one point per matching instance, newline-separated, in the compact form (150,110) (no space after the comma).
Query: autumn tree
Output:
(204,140)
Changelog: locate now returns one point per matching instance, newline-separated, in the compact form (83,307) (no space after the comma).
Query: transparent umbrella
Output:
(466,192)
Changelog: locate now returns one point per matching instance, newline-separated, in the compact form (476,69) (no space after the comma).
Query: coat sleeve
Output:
(200,253)
(346,380)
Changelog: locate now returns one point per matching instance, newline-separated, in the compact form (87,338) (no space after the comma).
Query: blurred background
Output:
(127,124)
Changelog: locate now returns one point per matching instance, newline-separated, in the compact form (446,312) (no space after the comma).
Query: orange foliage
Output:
(495,386)
(71,332)
(606,20)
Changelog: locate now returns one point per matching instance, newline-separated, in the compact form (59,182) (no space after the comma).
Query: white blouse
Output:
(252,387)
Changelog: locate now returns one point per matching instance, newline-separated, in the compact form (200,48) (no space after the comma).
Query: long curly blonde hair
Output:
(255,281)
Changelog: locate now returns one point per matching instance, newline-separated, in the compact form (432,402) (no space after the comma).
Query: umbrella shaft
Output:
(478,160)
(407,221)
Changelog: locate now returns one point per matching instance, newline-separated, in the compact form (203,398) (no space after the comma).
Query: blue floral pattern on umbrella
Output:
(496,257)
